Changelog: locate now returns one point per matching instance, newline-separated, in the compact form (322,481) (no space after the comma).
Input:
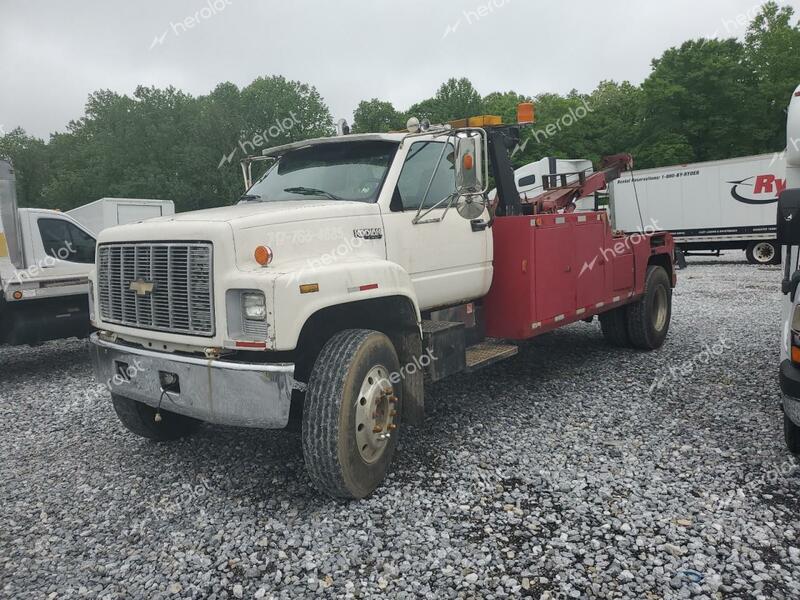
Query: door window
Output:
(419,167)
(64,241)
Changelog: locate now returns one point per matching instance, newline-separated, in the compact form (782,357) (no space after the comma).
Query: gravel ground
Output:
(570,471)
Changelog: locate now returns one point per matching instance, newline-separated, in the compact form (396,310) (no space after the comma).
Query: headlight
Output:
(254,306)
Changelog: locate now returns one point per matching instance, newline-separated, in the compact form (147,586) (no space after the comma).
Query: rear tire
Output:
(350,407)
(140,419)
(791,433)
(763,253)
(614,325)
(650,316)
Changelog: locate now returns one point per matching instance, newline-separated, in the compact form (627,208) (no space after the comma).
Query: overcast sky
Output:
(53,54)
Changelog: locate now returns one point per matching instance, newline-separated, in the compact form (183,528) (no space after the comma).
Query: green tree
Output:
(31,167)
(772,50)
(455,99)
(504,104)
(377,116)
(699,91)
(163,143)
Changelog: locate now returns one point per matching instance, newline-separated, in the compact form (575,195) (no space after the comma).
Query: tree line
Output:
(705,100)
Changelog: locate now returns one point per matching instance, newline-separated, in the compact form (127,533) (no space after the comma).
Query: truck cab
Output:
(45,260)
(354,270)
(788,227)
(46,257)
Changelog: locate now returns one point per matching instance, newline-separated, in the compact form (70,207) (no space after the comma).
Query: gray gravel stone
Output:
(572,471)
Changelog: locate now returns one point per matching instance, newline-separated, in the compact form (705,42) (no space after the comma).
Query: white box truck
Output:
(708,207)
(108,212)
(45,260)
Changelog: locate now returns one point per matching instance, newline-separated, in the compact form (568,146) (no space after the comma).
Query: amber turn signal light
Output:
(263,255)
(469,162)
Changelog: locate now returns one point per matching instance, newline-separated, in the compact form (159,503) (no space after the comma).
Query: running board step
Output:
(487,353)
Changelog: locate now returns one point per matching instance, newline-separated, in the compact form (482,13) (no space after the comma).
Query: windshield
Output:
(351,171)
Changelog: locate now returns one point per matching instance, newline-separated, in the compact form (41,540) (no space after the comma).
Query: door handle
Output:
(479,225)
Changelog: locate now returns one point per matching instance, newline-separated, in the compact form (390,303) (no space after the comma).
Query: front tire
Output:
(650,316)
(763,253)
(351,414)
(140,419)
(791,433)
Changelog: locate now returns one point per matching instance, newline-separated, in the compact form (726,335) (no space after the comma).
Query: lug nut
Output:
(392,427)
(377,429)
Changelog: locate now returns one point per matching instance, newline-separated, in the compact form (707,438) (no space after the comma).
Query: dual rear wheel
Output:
(645,323)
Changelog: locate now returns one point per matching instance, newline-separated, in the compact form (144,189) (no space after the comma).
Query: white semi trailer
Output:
(708,207)
(45,260)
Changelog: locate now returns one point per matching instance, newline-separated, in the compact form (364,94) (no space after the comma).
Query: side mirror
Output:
(789,218)
(469,174)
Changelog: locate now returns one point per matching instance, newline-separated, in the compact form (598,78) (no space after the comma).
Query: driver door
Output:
(449,263)
(59,248)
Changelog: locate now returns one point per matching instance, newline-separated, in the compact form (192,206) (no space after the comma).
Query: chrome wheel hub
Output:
(764,252)
(660,309)
(376,412)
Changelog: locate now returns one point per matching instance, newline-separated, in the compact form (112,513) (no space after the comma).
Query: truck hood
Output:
(256,214)
(302,234)
(305,236)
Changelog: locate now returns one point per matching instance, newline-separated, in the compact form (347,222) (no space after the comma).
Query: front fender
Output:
(341,283)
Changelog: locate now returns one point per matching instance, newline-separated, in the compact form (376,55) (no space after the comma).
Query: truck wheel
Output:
(614,325)
(649,317)
(763,253)
(792,434)
(140,419)
(350,417)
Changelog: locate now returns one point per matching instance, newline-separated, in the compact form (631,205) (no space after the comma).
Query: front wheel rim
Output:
(376,412)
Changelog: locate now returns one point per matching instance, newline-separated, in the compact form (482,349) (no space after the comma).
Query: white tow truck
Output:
(788,223)
(355,269)
(45,260)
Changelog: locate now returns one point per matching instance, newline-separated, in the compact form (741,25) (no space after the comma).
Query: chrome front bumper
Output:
(214,391)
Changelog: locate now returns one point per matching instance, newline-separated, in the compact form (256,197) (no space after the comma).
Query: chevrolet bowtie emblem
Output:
(142,287)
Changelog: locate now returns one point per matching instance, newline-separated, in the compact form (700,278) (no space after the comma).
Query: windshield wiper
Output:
(305,191)
(249,198)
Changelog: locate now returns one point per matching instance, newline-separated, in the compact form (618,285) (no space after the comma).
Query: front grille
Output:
(181,299)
